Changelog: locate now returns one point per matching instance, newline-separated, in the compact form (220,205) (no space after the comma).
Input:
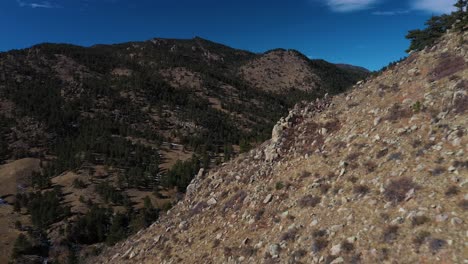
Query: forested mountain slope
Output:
(95,141)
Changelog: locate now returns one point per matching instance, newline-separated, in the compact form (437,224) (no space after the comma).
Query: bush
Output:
(309,201)
(397,189)
(324,187)
(319,244)
(346,246)
(289,235)
(436,244)
(452,191)
(417,107)
(420,238)
(361,189)
(370,166)
(381,153)
(390,233)
(279,185)
(396,112)
(419,220)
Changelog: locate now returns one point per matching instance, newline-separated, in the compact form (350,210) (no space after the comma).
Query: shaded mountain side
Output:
(118,131)
(375,175)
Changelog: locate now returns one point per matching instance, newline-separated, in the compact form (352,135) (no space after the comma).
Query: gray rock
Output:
(335,250)
(441,217)
(212,201)
(274,250)
(183,225)
(456,221)
(337,260)
(268,198)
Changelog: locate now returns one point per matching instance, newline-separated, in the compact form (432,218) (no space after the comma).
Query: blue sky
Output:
(367,33)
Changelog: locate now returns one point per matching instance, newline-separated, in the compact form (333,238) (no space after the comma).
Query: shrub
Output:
(259,214)
(279,185)
(319,244)
(460,105)
(395,156)
(452,191)
(370,166)
(353,179)
(381,153)
(309,201)
(346,246)
(235,202)
(353,156)
(198,208)
(419,220)
(289,235)
(417,107)
(396,112)
(390,233)
(463,204)
(438,171)
(397,189)
(361,189)
(305,174)
(436,244)
(319,233)
(324,188)
(420,238)
(298,254)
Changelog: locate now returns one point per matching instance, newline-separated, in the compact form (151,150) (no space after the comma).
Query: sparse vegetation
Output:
(324,187)
(390,234)
(279,185)
(397,112)
(289,235)
(420,238)
(419,220)
(436,244)
(361,189)
(309,201)
(319,244)
(397,189)
(347,247)
(452,191)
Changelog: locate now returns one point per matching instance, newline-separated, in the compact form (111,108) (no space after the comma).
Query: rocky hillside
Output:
(89,135)
(375,175)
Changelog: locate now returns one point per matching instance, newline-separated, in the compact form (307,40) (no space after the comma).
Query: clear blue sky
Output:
(367,33)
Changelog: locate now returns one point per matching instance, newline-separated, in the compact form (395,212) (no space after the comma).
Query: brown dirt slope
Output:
(377,175)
